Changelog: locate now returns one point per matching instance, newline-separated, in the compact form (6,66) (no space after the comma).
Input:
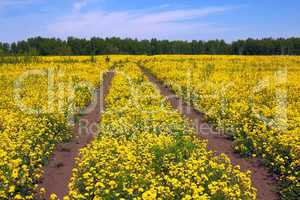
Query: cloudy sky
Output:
(145,19)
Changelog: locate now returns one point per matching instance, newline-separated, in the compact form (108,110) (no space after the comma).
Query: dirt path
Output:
(262,180)
(58,172)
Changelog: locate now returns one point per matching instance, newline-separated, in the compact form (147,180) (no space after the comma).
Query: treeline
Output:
(96,46)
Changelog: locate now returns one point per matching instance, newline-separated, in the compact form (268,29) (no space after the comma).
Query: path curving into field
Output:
(58,172)
(262,180)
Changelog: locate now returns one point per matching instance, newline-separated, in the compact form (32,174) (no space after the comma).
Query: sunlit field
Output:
(143,147)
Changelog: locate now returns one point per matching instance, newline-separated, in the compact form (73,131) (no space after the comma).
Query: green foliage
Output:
(114,45)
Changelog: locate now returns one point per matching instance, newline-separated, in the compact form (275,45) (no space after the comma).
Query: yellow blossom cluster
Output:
(255,100)
(146,150)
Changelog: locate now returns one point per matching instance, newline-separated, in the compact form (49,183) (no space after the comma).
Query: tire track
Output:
(262,180)
(58,172)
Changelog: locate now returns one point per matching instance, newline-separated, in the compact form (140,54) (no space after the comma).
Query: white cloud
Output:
(170,24)
(175,15)
(78,5)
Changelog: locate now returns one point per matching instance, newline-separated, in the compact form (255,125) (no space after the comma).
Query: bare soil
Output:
(58,172)
(262,180)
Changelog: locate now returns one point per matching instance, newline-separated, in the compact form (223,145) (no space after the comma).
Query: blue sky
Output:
(145,19)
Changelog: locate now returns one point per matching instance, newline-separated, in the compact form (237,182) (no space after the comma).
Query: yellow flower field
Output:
(255,100)
(34,117)
(146,150)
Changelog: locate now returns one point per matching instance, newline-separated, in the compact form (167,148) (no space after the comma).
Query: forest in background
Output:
(97,46)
